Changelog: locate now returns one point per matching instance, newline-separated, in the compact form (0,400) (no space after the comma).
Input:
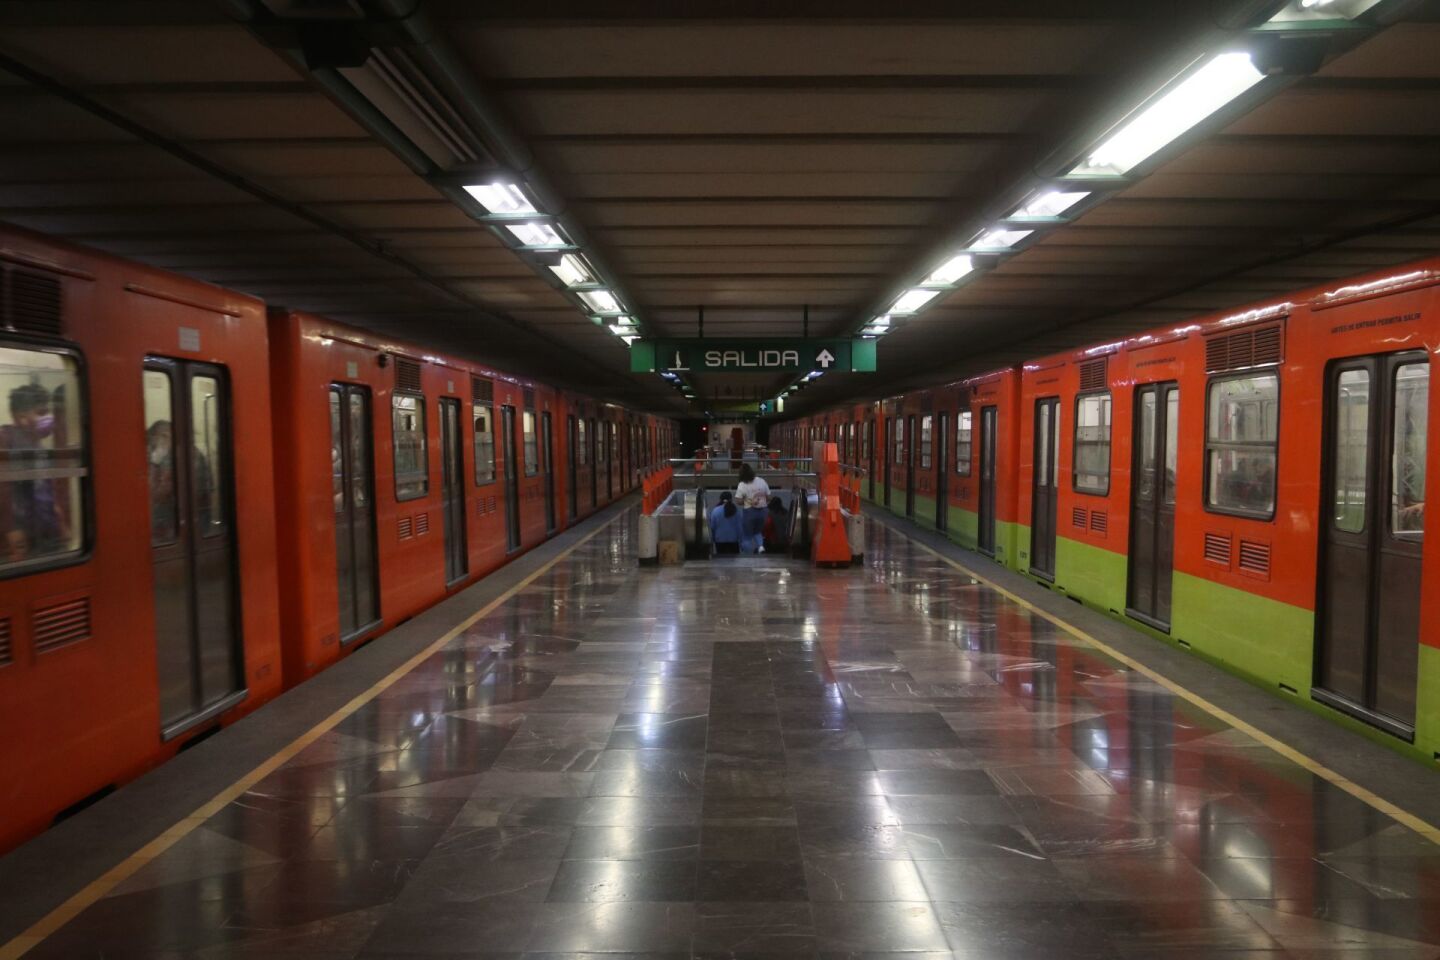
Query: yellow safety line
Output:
(98,888)
(1425,829)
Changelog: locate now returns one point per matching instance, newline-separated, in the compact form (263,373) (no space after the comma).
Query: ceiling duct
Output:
(395,86)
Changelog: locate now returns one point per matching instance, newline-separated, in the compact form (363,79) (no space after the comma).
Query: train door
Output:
(610,455)
(942,474)
(1152,503)
(1045,495)
(1368,628)
(870,457)
(512,478)
(547,468)
(910,465)
(452,490)
(200,659)
(985,534)
(572,494)
(886,454)
(592,450)
(357,569)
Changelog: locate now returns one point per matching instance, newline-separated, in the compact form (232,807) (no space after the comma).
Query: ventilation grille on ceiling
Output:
(481,390)
(1254,558)
(5,645)
(530,398)
(407,375)
(61,624)
(1092,374)
(1217,548)
(31,303)
(1254,347)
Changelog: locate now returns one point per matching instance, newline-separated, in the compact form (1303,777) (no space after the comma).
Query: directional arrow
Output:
(825,359)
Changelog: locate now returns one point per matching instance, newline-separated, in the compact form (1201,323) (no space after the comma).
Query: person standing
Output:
(753,495)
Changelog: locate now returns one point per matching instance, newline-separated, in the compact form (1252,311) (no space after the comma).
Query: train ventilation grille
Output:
(422,524)
(492,505)
(482,391)
(407,528)
(1217,549)
(1099,521)
(407,375)
(1245,348)
(1078,517)
(6,647)
(61,624)
(1255,558)
(1092,374)
(32,303)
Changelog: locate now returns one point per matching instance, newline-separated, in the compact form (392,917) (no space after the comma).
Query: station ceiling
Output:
(764,162)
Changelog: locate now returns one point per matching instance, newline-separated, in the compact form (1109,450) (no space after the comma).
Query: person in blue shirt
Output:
(725,525)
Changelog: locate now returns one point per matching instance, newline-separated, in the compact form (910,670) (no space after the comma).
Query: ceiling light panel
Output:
(999,239)
(501,198)
(572,271)
(912,300)
(1186,104)
(601,301)
(1050,203)
(951,270)
(536,234)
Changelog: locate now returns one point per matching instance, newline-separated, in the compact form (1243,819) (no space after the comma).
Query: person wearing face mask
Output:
(28,513)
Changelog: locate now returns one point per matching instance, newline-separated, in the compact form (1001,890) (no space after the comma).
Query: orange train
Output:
(1249,486)
(174,548)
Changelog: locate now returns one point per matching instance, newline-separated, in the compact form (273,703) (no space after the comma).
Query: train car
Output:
(1252,487)
(980,493)
(126,632)
(440,471)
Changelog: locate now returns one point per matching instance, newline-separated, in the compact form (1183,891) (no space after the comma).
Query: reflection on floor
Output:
(763,759)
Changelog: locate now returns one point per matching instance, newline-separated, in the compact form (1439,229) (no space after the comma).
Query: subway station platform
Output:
(576,758)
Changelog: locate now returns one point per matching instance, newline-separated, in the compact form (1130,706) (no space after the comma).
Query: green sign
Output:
(775,354)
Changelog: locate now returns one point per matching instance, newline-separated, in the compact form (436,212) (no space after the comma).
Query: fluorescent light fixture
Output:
(951,270)
(601,301)
(536,234)
(629,340)
(501,198)
(1322,10)
(572,271)
(1050,203)
(1186,104)
(624,322)
(912,300)
(999,239)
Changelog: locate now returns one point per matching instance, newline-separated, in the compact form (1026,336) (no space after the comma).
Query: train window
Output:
(1352,449)
(599,431)
(532,445)
(1407,477)
(899,439)
(207,449)
(44,463)
(412,474)
(927,441)
(963,424)
(1091,472)
(1241,432)
(582,450)
(160,452)
(484,444)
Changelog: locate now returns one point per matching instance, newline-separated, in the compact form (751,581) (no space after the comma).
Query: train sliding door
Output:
(1045,491)
(1152,503)
(910,465)
(512,478)
(199,655)
(452,491)
(942,473)
(985,535)
(572,492)
(547,468)
(869,436)
(357,569)
(1368,628)
(890,423)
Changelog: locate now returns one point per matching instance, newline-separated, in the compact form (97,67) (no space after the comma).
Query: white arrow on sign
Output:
(825,359)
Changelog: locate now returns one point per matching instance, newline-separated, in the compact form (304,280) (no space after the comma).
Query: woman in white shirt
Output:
(753,496)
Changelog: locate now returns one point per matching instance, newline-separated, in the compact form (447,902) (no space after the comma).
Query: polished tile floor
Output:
(753,758)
